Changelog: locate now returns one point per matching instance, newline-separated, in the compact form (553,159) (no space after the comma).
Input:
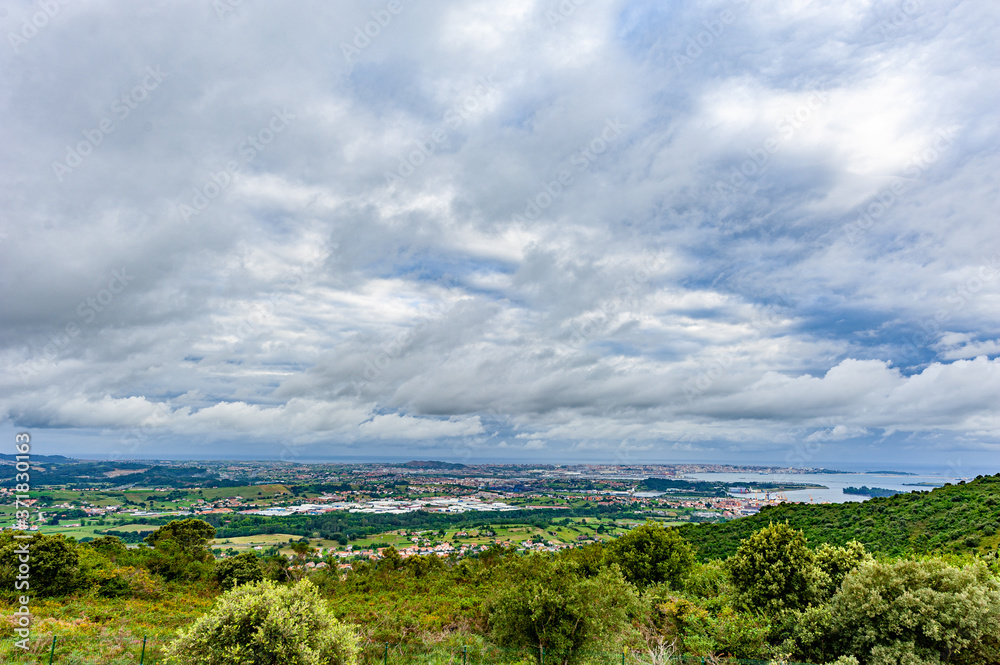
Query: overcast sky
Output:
(475,231)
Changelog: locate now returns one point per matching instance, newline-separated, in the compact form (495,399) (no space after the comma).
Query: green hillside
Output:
(953,518)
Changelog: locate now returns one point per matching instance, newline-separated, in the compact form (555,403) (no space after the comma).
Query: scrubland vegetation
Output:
(910,579)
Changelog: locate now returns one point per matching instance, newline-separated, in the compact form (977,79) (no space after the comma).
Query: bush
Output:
(908,612)
(707,580)
(110,546)
(652,554)
(541,602)
(742,634)
(181,550)
(98,573)
(140,583)
(846,660)
(836,562)
(241,569)
(704,625)
(688,626)
(774,570)
(53,560)
(267,623)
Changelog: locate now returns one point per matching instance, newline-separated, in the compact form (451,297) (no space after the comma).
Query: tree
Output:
(276,568)
(241,569)
(908,612)
(836,562)
(301,549)
(190,535)
(590,558)
(551,607)
(52,560)
(267,623)
(390,559)
(181,549)
(774,570)
(652,554)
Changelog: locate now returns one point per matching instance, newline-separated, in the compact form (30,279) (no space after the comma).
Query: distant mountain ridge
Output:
(41,459)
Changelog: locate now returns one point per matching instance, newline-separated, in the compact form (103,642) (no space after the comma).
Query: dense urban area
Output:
(87,499)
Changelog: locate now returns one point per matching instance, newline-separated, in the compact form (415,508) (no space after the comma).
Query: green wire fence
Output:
(85,650)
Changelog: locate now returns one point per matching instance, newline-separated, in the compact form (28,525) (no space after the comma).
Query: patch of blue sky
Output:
(645,27)
(870,335)
(826,317)
(446,269)
(391,87)
(613,348)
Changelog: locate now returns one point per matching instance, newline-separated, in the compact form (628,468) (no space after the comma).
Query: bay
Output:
(835,482)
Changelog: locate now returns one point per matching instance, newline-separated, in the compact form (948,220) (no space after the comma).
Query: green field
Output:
(562,530)
(591,528)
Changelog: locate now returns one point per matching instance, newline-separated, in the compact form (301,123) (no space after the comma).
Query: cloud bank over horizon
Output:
(564,231)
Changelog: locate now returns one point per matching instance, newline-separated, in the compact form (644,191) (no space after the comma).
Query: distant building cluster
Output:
(328,504)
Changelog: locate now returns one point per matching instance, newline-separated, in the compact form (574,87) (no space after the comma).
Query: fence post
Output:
(543,655)
(52,653)
(465,651)
(142,656)
(623,656)
(385,656)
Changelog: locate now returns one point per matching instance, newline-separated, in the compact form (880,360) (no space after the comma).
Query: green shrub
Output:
(652,554)
(836,562)
(98,573)
(53,562)
(774,571)
(707,580)
(267,623)
(110,546)
(543,602)
(180,550)
(688,626)
(742,634)
(908,612)
(846,660)
(240,569)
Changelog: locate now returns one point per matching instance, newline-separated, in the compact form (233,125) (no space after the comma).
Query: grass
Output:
(78,532)
(104,631)
(131,527)
(244,543)
(248,492)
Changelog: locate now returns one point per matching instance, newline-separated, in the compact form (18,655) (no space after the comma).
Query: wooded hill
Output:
(953,518)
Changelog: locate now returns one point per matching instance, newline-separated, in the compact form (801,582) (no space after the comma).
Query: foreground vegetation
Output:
(795,583)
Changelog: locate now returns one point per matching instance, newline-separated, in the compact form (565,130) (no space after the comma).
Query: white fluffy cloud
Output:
(632,231)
